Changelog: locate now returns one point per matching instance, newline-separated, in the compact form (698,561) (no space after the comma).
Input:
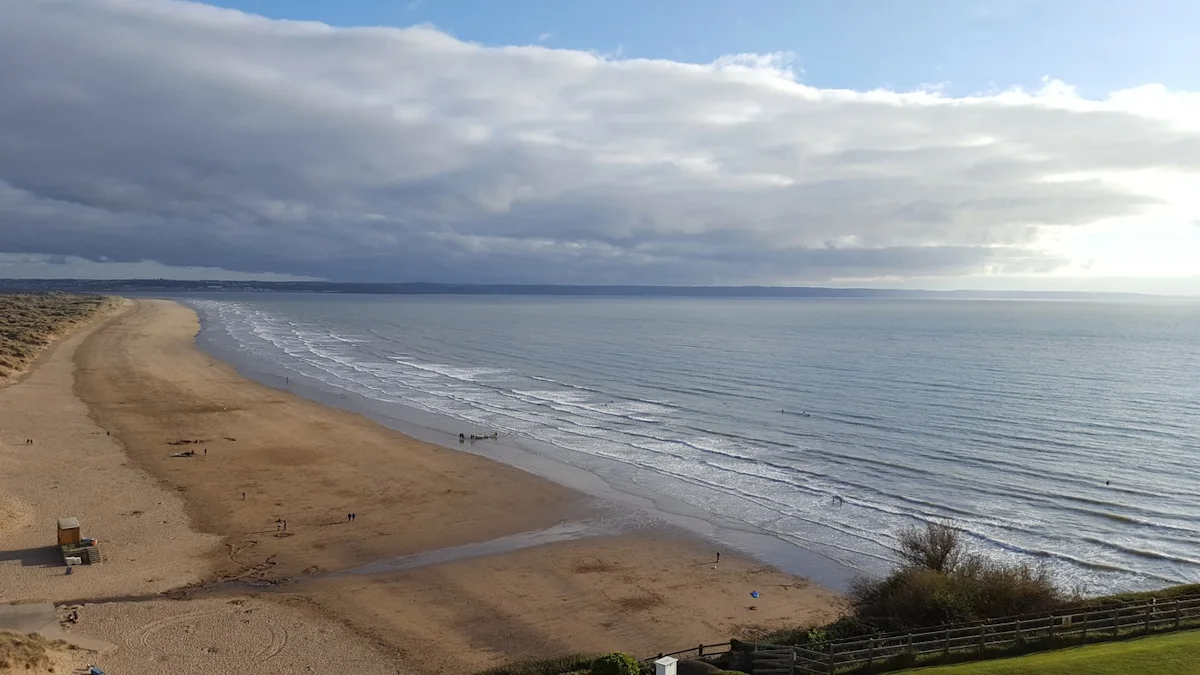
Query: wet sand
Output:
(295,460)
(147,383)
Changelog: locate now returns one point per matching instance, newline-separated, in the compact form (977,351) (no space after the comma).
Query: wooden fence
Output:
(699,651)
(893,651)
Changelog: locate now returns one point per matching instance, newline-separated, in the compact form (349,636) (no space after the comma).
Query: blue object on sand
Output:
(754,594)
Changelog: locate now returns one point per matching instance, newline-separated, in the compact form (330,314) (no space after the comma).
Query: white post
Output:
(665,665)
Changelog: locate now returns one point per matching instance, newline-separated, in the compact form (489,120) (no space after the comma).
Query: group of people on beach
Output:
(476,437)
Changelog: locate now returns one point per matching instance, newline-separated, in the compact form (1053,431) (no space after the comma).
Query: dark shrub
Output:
(913,597)
(1007,590)
(936,547)
(615,663)
(696,667)
(845,627)
(849,627)
(910,597)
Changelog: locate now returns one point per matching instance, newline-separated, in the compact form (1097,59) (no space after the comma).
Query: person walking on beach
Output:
(349,517)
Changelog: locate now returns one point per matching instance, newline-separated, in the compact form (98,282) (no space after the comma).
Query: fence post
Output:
(1053,626)
(829,658)
(1117,621)
(1177,615)
(946,648)
(982,639)
(1086,617)
(1149,610)
(1020,636)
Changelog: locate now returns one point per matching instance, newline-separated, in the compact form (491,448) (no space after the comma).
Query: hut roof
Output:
(68,523)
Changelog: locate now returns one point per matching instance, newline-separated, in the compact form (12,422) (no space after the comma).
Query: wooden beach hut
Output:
(68,532)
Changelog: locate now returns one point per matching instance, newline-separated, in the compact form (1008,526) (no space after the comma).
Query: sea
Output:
(806,432)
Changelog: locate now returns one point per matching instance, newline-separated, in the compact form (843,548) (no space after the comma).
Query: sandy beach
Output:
(110,406)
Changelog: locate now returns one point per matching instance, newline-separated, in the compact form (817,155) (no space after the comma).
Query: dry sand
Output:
(73,468)
(149,385)
(148,544)
(229,636)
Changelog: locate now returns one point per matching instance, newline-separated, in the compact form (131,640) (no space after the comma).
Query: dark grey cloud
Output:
(135,130)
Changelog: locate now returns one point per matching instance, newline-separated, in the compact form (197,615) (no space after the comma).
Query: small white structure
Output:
(665,666)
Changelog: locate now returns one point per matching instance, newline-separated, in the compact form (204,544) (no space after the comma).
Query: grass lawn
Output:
(1174,654)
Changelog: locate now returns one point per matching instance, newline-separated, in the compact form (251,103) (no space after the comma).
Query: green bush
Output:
(616,663)
(848,627)
(912,597)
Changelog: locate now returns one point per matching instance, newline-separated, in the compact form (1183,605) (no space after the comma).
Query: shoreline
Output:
(642,589)
(441,430)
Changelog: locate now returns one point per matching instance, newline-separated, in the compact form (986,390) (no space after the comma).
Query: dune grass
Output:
(29,322)
(1173,654)
(1167,593)
(20,653)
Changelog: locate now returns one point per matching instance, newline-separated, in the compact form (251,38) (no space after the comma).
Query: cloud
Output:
(35,266)
(542,37)
(135,130)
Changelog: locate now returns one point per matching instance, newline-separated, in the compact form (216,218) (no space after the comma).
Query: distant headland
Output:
(422,288)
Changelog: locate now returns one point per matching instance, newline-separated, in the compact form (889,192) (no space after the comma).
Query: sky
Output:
(985,144)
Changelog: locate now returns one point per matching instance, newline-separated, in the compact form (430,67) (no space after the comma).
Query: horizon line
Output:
(465,287)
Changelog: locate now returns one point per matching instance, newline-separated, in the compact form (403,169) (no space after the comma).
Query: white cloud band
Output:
(176,132)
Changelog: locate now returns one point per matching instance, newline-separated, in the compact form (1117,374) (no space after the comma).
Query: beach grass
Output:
(30,322)
(19,653)
(1174,654)
(1182,590)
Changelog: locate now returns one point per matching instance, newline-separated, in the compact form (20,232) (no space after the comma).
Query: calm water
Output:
(1005,417)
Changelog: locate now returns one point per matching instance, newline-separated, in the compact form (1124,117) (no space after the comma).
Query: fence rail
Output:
(965,642)
(890,651)
(698,651)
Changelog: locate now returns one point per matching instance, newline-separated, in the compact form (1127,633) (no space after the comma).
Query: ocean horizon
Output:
(807,432)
